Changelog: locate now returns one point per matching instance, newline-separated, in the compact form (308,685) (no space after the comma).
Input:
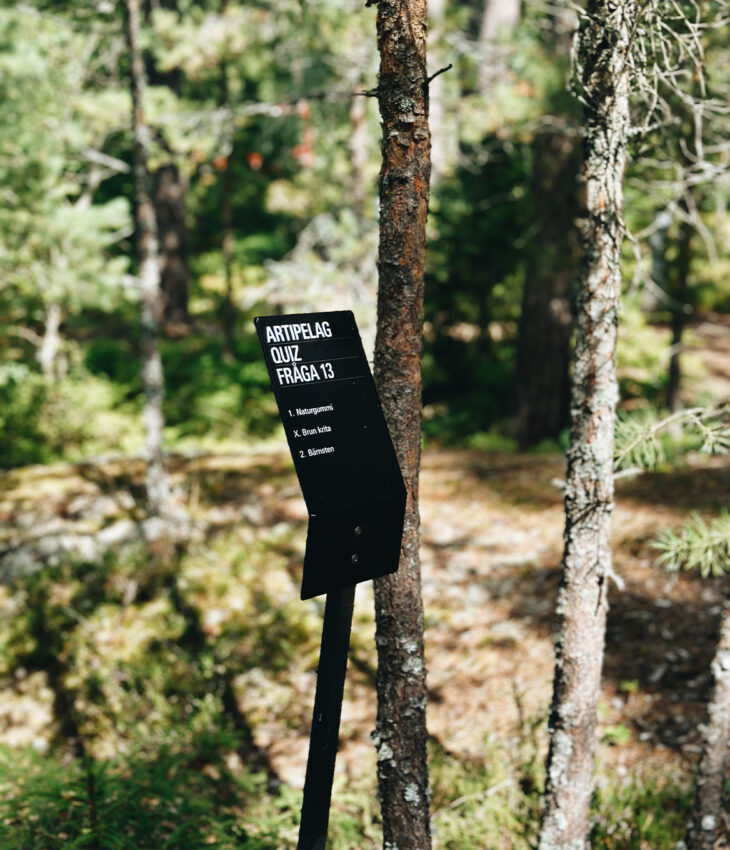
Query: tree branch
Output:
(440,71)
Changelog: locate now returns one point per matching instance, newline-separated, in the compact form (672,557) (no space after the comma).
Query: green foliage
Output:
(617,735)
(137,653)
(78,415)
(492,441)
(168,799)
(697,545)
(634,815)
(133,655)
(84,416)
(474,278)
(644,440)
(474,804)
(56,241)
(22,394)
(208,396)
(95,409)
(641,355)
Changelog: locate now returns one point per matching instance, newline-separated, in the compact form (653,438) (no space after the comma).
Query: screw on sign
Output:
(355,497)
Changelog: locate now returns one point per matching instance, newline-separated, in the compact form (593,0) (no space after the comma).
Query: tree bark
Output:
(582,603)
(679,295)
(157,484)
(543,343)
(653,297)
(169,198)
(168,195)
(400,735)
(707,825)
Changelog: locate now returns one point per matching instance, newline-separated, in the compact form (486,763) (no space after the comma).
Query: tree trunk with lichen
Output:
(707,824)
(602,46)
(157,484)
(400,735)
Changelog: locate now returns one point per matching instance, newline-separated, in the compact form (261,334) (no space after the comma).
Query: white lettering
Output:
(313,411)
(295,331)
(285,354)
(304,374)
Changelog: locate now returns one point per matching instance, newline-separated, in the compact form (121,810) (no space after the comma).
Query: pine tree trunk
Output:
(149,278)
(543,344)
(169,200)
(400,735)
(582,603)
(707,815)
(168,196)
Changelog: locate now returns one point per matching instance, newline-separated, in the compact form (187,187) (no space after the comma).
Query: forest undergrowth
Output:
(159,693)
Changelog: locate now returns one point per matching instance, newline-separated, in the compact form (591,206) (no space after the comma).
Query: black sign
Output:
(341,447)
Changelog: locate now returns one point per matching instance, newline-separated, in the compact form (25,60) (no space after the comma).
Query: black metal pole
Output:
(326,719)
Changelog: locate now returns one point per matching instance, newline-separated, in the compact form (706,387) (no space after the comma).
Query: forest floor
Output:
(491,546)
(492,528)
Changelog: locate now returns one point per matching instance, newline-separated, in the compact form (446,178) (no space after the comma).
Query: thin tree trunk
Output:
(679,298)
(168,197)
(582,602)
(169,202)
(675,374)
(653,297)
(149,278)
(707,815)
(228,309)
(51,342)
(400,735)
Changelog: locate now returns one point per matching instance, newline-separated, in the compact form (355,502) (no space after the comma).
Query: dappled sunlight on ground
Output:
(491,547)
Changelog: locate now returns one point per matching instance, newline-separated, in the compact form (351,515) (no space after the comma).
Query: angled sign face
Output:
(342,451)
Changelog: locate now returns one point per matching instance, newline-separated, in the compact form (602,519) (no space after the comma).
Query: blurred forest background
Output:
(157,692)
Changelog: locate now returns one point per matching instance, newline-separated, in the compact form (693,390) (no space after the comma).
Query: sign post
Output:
(355,497)
(326,719)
